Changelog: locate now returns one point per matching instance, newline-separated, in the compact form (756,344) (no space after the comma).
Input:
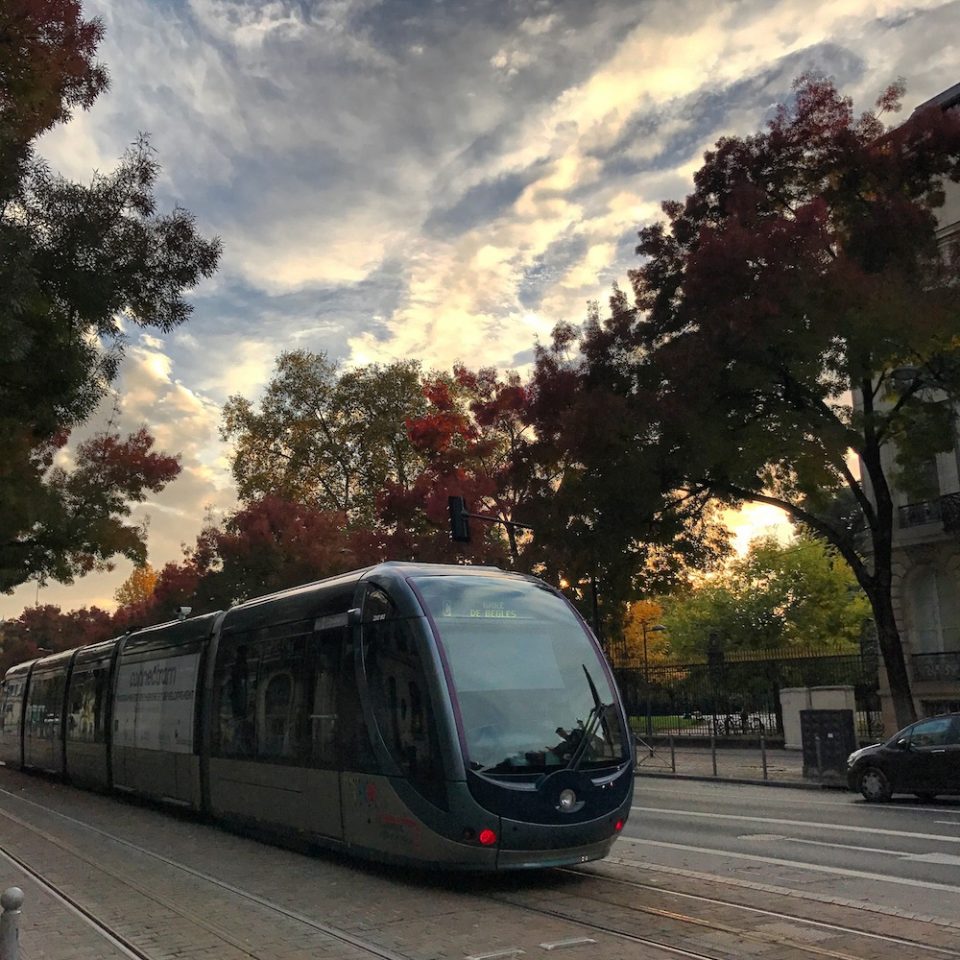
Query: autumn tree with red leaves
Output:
(474,440)
(45,629)
(803,266)
(74,259)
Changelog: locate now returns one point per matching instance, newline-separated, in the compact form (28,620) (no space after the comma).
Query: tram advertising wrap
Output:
(154,704)
(445,716)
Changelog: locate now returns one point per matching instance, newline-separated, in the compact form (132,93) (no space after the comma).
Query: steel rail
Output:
(773,914)
(335,933)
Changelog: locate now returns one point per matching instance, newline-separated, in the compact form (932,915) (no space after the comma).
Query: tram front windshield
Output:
(532,691)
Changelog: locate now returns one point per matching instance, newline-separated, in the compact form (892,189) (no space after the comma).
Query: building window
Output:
(933,611)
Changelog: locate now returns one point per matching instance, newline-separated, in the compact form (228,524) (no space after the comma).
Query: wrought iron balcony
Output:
(936,666)
(915,514)
(950,512)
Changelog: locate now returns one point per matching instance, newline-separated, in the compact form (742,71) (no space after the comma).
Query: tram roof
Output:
(295,602)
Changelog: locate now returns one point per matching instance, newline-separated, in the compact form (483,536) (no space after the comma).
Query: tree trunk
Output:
(891,647)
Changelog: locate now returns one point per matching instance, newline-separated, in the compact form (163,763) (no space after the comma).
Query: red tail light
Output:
(618,826)
(487,837)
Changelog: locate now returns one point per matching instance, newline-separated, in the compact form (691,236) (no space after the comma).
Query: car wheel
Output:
(874,785)
(926,797)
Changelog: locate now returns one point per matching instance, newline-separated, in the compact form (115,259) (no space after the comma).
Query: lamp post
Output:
(655,628)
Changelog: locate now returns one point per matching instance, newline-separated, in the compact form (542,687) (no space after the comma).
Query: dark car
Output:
(922,759)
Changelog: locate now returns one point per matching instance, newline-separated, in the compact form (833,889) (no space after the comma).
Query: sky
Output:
(426,179)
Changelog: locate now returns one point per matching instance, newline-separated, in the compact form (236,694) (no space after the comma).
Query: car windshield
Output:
(532,691)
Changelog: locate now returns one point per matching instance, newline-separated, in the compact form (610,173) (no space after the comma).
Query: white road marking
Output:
(947,859)
(801,823)
(796,864)
(821,843)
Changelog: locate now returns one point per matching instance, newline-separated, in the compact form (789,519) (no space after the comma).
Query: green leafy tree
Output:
(798,594)
(325,438)
(76,263)
(803,266)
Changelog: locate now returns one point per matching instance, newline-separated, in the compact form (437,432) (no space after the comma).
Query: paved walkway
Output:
(776,767)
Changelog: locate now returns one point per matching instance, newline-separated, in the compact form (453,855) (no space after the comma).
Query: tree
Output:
(77,263)
(42,630)
(474,440)
(47,68)
(272,544)
(323,438)
(800,594)
(72,521)
(804,265)
(138,587)
(641,643)
(603,526)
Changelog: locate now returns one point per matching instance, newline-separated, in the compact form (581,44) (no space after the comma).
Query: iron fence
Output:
(738,698)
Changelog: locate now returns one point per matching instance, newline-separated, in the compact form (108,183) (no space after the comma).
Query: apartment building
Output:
(926,586)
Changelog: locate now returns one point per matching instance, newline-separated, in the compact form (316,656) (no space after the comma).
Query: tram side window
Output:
(401,702)
(11,703)
(237,692)
(277,727)
(43,709)
(6,707)
(85,719)
(265,688)
(355,749)
(323,707)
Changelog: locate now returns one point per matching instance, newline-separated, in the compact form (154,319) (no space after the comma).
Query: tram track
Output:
(592,906)
(128,946)
(719,928)
(823,925)
(711,926)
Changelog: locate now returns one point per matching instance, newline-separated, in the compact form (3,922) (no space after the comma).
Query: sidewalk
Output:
(737,764)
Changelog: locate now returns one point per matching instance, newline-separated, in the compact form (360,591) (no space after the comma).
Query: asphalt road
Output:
(821,844)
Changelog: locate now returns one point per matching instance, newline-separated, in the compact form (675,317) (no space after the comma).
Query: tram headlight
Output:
(567,800)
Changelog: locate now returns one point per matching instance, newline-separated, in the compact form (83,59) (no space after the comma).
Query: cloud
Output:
(435,181)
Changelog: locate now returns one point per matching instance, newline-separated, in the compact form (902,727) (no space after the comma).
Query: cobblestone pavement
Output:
(124,863)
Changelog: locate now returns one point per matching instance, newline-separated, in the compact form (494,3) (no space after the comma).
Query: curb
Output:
(745,781)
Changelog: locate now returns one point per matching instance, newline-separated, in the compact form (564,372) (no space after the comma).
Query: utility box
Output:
(795,699)
(829,737)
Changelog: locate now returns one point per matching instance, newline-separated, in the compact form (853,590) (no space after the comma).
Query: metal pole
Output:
(596,606)
(646,679)
(713,743)
(11,901)
(673,756)
(763,754)
(819,757)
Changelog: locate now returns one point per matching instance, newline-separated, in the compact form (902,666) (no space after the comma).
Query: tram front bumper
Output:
(541,859)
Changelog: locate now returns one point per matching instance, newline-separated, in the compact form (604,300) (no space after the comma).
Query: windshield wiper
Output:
(594,720)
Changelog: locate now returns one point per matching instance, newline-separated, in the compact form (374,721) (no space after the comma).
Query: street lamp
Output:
(655,628)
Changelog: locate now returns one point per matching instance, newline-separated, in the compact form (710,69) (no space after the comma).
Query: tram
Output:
(444,716)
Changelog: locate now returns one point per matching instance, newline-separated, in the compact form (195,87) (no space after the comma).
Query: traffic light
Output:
(459,519)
